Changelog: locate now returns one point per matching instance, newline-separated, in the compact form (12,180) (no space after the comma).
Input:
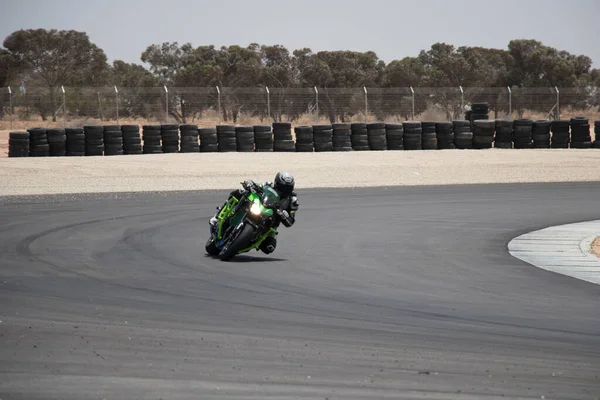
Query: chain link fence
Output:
(75,106)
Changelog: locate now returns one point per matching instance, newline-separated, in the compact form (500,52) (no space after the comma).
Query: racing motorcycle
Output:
(244,224)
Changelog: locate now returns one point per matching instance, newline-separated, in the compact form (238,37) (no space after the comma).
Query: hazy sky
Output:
(393,29)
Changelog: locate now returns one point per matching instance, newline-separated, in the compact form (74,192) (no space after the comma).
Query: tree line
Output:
(41,58)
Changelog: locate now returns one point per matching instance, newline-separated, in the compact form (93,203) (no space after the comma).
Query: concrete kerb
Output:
(564,249)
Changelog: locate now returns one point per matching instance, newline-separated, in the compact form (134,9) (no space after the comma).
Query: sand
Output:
(166,172)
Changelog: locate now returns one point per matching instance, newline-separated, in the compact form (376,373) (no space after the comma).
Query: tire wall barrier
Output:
(477,132)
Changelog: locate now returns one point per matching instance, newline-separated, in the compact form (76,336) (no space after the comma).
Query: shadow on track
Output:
(249,259)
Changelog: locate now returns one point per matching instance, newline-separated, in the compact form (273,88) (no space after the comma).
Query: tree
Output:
(230,67)
(9,68)
(332,71)
(396,100)
(537,65)
(52,58)
(124,74)
(136,87)
(280,73)
(178,66)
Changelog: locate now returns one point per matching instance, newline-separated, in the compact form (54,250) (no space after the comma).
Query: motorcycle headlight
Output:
(255,209)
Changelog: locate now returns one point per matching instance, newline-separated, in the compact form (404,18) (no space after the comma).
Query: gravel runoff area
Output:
(173,172)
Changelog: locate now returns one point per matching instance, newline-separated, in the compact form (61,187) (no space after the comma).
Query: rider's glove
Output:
(285,215)
(248,184)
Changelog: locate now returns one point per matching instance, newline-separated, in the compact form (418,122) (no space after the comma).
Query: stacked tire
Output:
(57,142)
(75,142)
(304,138)
(376,136)
(341,137)
(189,138)
(580,133)
(504,134)
(282,137)
(359,137)
(113,140)
(445,135)
(209,141)
(226,138)
(596,143)
(523,133)
(244,136)
(463,136)
(412,135)
(323,137)
(169,135)
(394,136)
(151,136)
(18,144)
(94,140)
(263,138)
(561,134)
(541,134)
(132,142)
(479,110)
(428,136)
(483,133)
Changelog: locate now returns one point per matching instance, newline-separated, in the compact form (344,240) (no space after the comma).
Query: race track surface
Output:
(403,293)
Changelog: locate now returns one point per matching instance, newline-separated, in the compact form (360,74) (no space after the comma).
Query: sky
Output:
(393,29)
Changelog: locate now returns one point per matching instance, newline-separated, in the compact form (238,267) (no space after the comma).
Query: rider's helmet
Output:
(284,183)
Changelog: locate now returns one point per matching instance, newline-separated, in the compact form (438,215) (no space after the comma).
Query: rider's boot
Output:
(213,221)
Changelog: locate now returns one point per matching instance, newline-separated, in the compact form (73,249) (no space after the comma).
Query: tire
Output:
(241,241)
(211,247)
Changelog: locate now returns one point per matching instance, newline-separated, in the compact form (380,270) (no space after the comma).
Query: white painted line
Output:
(564,249)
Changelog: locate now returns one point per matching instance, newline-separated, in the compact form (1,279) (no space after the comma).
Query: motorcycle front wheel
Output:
(241,241)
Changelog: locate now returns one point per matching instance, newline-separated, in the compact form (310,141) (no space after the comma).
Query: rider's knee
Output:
(268,245)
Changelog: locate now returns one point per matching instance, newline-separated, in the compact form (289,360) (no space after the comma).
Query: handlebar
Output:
(248,185)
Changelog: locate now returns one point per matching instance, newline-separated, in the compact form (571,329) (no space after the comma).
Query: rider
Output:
(284,185)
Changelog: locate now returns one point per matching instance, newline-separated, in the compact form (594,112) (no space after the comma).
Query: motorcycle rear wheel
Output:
(211,246)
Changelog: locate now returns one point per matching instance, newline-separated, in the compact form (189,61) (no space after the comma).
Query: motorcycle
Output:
(244,224)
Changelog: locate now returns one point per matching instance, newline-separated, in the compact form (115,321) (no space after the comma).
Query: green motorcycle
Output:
(243,225)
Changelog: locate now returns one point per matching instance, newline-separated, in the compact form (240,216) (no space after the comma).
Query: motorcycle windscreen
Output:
(270,197)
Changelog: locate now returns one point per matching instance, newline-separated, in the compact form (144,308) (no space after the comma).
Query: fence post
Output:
(117,99)
(268,102)
(366,104)
(509,101)
(100,107)
(219,102)
(413,103)
(10,107)
(462,100)
(317,100)
(64,107)
(166,104)
(557,102)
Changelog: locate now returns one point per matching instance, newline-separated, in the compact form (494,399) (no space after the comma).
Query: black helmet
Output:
(284,183)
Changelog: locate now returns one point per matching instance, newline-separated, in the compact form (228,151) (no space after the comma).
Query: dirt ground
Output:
(596,247)
(167,172)
(4,143)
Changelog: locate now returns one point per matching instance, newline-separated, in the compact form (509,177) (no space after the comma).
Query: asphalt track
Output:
(406,293)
